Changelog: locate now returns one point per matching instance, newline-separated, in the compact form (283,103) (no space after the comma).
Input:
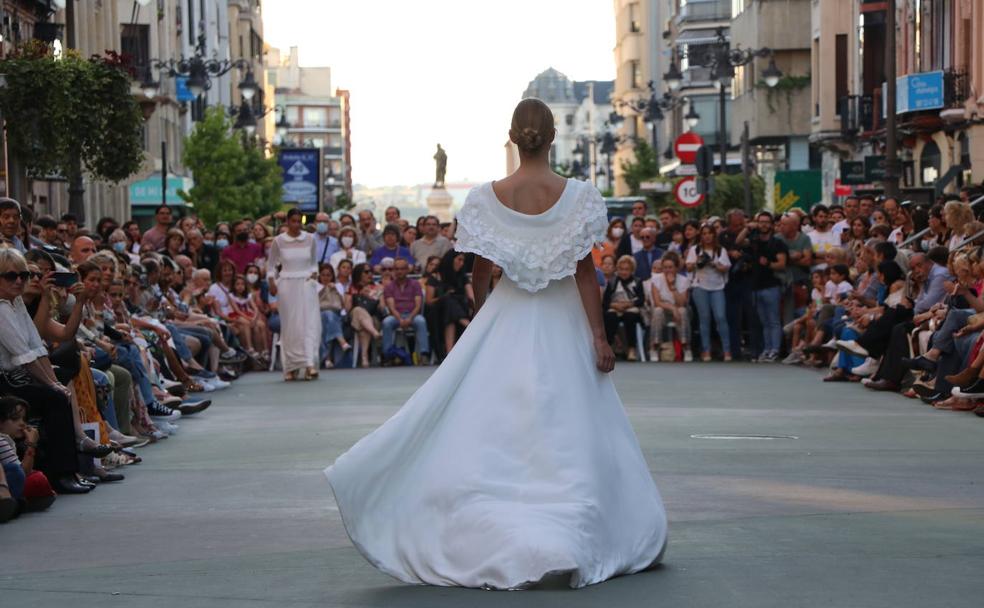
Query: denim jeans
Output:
(331,329)
(107,408)
(128,357)
(767,307)
(390,324)
(712,304)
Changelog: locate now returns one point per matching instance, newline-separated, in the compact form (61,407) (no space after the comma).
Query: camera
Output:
(703,260)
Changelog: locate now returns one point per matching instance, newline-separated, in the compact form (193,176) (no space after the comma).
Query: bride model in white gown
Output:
(515,460)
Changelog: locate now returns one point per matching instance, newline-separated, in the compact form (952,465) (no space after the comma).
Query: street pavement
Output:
(872,501)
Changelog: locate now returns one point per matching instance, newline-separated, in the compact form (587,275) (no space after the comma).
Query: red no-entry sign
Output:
(686,147)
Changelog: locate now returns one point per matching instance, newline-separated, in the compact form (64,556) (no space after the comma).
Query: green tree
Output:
(67,112)
(233,178)
(645,167)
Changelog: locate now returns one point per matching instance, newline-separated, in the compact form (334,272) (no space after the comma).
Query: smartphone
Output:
(64,278)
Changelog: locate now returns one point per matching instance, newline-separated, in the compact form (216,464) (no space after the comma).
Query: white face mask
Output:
(252,277)
(347,241)
(618,232)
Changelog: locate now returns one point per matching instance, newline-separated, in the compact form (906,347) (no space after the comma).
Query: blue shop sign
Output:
(917,92)
(302,171)
(148,191)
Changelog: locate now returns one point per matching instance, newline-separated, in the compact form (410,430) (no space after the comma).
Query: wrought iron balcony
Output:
(857,114)
(956,88)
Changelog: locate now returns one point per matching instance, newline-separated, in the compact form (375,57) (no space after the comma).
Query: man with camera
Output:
(769,258)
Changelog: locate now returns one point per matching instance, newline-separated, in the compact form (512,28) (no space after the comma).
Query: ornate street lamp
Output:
(653,109)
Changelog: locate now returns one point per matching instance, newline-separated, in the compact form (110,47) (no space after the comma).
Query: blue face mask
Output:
(119,246)
(209,243)
(222,243)
(322,227)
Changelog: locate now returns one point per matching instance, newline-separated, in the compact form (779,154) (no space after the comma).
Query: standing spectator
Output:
(822,236)
(709,263)
(769,257)
(154,239)
(241,252)
(866,204)
(850,214)
(48,231)
(404,301)
(622,303)
(71,228)
(390,248)
(431,243)
(669,294)
(669,218)
(738,296)
(649,253)
(371,239)
(616,230)
(797,279)
(325,244)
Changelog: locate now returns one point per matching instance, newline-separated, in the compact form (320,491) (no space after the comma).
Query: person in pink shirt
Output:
(241,252)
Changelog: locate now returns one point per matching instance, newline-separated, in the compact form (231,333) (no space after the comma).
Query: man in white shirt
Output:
(843,228)
(822,237)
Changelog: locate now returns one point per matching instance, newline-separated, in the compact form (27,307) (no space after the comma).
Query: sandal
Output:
(193,387)
(311,373)
(290,376)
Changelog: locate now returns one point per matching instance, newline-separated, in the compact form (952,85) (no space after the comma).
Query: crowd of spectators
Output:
(109,335)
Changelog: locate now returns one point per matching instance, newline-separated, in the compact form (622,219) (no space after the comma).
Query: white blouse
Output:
(295,255)
(20,342)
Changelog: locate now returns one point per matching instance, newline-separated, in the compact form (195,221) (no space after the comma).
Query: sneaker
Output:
(793,358)
(654,356)
(232,355)
(170,429)
(830,344)
(688,355)
(189,408)
(768,357)
(974,391)
(160,412)
(852,347)
(866,381)
(868,368)
(219,384)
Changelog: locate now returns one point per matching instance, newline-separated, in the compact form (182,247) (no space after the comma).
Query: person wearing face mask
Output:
(326,244)
(119,245)
(616,230)
(242,252)
(347,238)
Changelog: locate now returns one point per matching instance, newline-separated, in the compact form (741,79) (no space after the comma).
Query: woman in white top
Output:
(347,238)
(515,460)
(708,264)
(293,271)
(668,293)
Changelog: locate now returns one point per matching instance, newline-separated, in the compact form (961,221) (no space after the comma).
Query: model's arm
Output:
(587,286)
(481,275)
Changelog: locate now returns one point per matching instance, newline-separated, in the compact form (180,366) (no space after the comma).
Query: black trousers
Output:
(891,367)
(876,337)
(57,455)
(629,319)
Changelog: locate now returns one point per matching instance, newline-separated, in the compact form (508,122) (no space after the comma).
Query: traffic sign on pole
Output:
(686,147)
(686,192)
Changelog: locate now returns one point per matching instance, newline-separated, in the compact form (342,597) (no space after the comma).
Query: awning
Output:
(704,36)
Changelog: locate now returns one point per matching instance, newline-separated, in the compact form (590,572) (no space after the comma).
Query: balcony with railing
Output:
(857,114)
(697,12)
(956,88)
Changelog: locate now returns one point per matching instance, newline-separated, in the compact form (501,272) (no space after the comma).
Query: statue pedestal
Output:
(439,204)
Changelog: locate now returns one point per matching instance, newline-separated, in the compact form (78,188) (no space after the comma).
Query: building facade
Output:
(316,116)
(581,112)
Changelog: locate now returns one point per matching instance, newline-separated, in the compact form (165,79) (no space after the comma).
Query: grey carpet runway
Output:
(877,501)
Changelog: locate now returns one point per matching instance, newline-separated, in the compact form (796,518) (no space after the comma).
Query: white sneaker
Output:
(868,368)
(218,384)
(830,344)
(170,429)
(688,355)
(654,356)
(866,381)
(851,347)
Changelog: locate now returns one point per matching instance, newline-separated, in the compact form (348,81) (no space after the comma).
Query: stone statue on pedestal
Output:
(441,158)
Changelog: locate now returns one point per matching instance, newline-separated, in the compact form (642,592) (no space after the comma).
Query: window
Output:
(634,25)
(293,115)
(929,163)
(635,75)
(315,117)
(840,67)
(135,42)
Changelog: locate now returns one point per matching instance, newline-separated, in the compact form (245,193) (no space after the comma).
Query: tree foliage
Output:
(645,167)
(60,111)
(233,178)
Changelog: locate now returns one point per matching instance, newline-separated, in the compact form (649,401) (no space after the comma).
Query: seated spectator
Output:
(25,372)
(363,302)
(244,306)
(648,254)
(429,243)
(174,245)
(347,239)
(668,294)
(622,302)
(449,301)
(616,230)
(19,482)
(333,310)
(404,302)
(390,249)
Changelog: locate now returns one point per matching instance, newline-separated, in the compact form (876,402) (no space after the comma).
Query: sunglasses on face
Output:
(12,275)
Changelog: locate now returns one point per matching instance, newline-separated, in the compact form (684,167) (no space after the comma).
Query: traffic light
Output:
(705,161)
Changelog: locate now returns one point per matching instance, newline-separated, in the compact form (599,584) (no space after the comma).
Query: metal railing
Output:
(716,10)
(915,237)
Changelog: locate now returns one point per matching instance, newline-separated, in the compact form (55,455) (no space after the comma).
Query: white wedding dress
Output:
(515,460)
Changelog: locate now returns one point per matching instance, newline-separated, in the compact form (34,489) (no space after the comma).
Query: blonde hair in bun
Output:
(532,125)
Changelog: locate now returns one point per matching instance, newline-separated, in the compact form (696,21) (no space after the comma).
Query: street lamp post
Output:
(653,110)
(722,59)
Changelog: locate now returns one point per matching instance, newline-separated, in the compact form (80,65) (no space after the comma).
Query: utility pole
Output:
(746,169)
(723,131)
(76,187)
(891,183)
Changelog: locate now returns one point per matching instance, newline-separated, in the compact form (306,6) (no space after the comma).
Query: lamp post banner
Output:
(302,177)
